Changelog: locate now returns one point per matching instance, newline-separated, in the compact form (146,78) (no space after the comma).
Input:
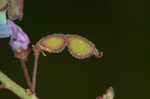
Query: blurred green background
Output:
(119,28)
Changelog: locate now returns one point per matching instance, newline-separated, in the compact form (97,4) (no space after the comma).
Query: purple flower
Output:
(19,40)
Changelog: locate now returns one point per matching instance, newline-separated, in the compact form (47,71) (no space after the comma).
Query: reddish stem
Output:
(26,74)
(36,58)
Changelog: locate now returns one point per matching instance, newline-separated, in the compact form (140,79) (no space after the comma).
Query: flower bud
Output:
(19,39)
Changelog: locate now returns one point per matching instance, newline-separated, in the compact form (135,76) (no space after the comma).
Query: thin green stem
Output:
(15,88)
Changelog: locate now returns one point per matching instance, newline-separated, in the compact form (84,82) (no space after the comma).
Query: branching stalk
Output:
(15,88)
(26,74)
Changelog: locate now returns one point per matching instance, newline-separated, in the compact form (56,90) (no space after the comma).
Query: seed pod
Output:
(80,47)
(3,5)
(15,9)
(53,43)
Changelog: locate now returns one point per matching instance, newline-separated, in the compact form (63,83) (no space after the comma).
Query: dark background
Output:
(119,28)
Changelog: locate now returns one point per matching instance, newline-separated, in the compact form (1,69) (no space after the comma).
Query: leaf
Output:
(3,4)
(80,47)
(15,9)
(53,43)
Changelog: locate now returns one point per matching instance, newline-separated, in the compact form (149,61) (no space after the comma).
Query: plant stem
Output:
(12,86)
(26,74)
(36,58)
